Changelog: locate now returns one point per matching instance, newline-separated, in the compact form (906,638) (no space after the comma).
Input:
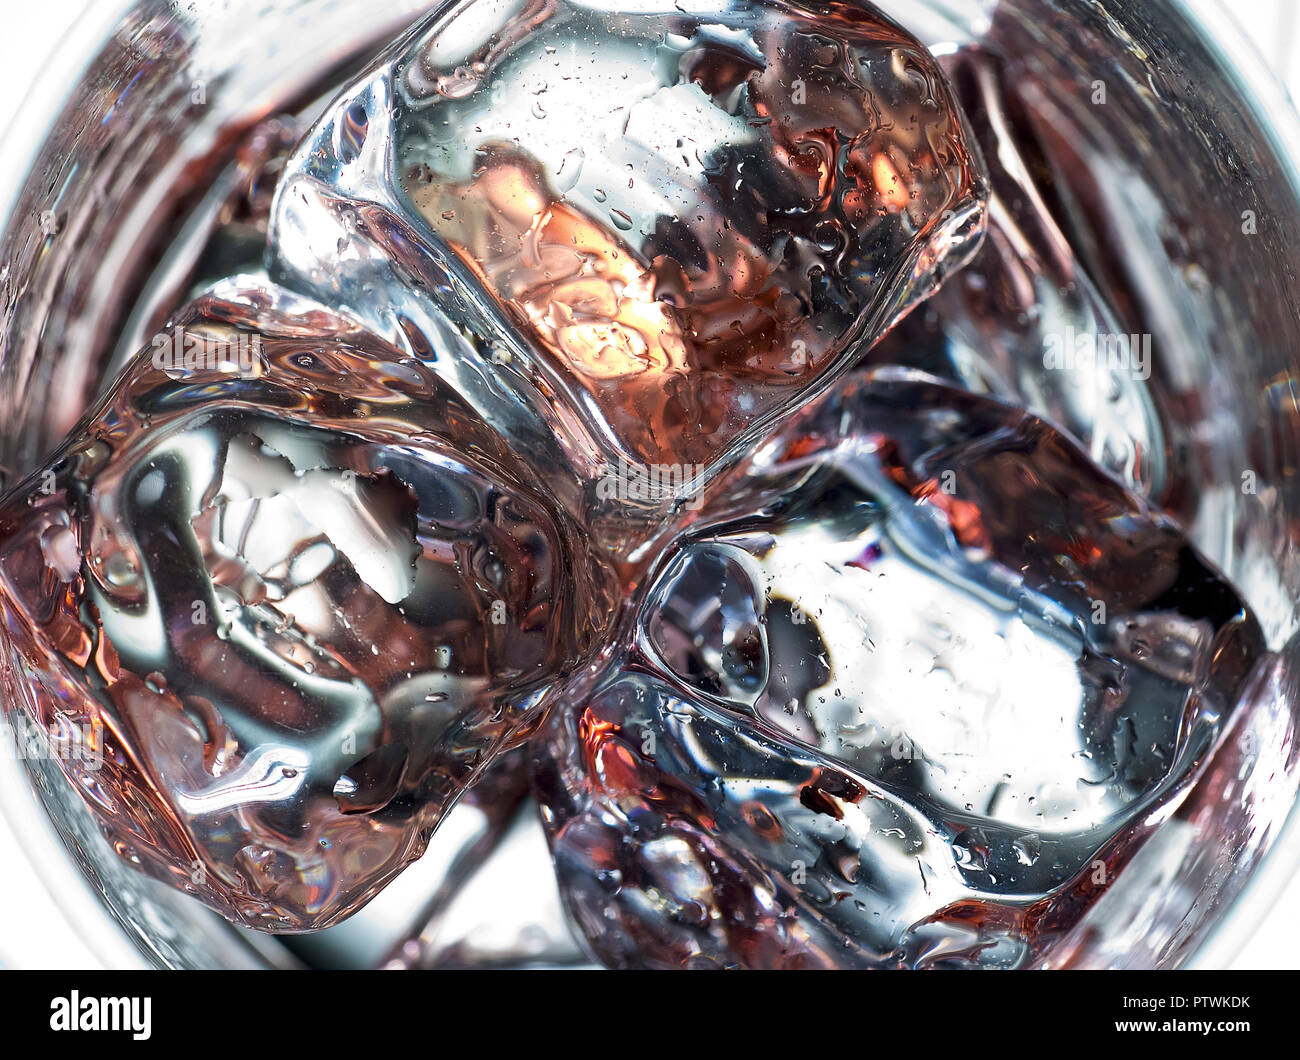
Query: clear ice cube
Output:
(654,229)
(1024,321)
(907,691)
(297,594)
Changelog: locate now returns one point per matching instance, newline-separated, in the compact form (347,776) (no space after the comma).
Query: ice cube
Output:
(658,229)
(909,690)
(1025,321)
(295,594)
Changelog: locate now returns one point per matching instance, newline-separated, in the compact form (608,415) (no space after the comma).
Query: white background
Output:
(30,31)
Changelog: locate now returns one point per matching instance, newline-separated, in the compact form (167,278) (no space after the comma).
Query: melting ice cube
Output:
(297,594)
(655,229)
(908,690)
